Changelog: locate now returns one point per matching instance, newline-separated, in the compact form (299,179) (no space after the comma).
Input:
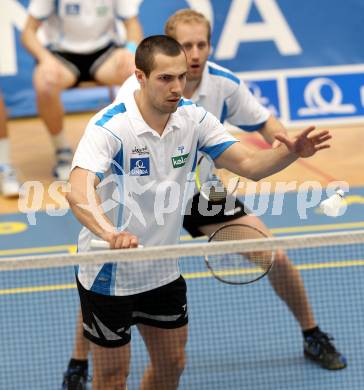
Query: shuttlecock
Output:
(331,206)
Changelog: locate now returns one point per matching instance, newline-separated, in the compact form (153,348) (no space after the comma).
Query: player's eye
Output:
(187,46)
(165,78)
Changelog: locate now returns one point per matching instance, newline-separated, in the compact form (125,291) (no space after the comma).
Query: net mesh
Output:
(239,336)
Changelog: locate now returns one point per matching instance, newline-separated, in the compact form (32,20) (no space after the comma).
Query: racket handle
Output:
(101,244)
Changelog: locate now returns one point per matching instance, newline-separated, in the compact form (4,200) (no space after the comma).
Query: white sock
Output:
(4,151)
(59,141)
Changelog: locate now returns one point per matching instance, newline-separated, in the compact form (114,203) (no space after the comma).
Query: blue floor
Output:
(240,337)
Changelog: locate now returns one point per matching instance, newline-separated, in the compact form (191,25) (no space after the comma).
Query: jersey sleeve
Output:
(126,9)
(214,139)
(244,110)
(41,9)
(98,151)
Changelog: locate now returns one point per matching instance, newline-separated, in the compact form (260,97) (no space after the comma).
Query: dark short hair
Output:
(155,44)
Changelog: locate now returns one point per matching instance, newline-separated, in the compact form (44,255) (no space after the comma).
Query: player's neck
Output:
(154,119)
(190,88)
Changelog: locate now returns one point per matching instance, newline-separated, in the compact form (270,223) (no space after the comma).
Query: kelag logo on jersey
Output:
(179,161)
(139,167)
(325,96)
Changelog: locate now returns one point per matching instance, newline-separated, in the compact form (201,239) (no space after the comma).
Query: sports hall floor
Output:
(252,340)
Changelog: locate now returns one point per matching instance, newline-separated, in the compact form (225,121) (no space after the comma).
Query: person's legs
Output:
(284,277)
(9,185)
(77,370)
(110,367)
(3,128)
(116,68)
(49,82)
(162,317)
(286,282)
(81,347)
(106,325)
(166,349)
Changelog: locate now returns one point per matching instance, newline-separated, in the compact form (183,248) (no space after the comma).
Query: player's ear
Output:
(140,75)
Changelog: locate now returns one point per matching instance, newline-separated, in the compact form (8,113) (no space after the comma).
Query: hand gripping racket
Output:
(101,244)
(231,268)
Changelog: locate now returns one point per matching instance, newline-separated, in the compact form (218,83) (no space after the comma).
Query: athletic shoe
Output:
(9,185)
(75,378)
(319,348)
(63,165)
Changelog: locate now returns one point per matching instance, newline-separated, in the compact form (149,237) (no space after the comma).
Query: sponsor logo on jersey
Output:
(139,166)
(140,150)
(179,161)
(73,9)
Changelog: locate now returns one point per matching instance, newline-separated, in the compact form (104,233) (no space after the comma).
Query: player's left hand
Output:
(304,146)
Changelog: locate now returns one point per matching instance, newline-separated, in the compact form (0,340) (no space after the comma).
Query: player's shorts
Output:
(226,212)
(107,319)
(84,66)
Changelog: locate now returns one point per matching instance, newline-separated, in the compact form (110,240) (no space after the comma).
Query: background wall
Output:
(303,60)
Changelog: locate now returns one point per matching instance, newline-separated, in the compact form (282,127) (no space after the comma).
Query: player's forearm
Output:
(134,31)
(264,163)
(272,127)
(89,212)
(31,42)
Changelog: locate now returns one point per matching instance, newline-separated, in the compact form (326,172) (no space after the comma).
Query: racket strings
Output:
(240,267)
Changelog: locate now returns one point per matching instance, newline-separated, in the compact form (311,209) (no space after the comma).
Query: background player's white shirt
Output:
(81,26)
(228,98)
(144,183)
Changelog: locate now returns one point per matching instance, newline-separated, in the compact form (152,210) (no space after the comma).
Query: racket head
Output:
(239,268)
(214,184)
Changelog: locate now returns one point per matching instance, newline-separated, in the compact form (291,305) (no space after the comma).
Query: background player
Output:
(219,91)
(73,42)
(9,185)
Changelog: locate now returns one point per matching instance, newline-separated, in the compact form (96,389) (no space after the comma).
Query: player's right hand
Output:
(122,240)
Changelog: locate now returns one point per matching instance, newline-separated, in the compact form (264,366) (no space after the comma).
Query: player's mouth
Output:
(174,99)
(195,66)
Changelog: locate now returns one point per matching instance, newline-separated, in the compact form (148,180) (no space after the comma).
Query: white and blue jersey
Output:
(223,94)
(229,99)
(143,186)
(81,26)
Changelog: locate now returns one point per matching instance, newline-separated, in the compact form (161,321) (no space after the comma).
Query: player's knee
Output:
(44,85)
(175,363)
(125,66)
(113,380)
